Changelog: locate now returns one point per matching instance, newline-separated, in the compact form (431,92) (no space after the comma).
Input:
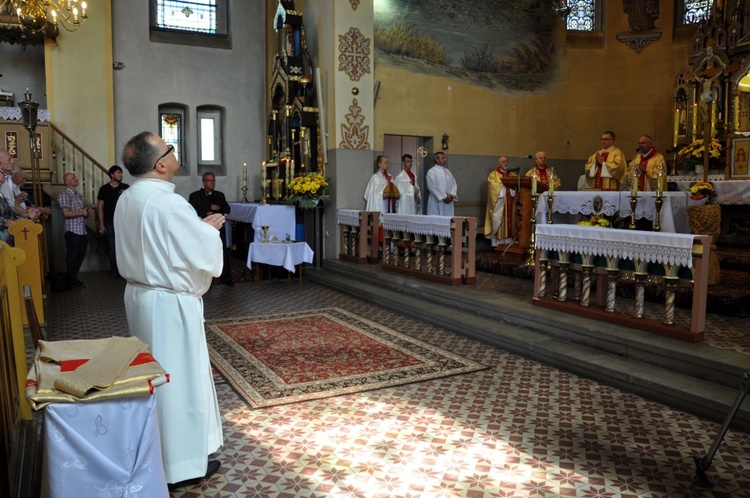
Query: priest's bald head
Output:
(148,155)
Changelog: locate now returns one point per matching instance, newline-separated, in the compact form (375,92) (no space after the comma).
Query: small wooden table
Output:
(286,254)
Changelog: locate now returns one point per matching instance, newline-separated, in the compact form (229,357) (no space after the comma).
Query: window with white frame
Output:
(210,136)
(172,129)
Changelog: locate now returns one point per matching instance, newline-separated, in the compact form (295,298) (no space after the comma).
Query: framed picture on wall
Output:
(738,158)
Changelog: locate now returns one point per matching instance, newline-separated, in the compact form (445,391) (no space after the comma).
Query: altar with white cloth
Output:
(576,248)
(279,218)
(568,206)
(728,192)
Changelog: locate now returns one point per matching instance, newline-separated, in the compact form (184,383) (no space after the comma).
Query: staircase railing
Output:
(67,156)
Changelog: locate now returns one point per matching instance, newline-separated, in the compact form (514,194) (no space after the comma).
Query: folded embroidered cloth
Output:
(92,370)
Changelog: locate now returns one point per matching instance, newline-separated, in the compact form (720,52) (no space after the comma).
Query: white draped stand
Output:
(611,256)
(286,254)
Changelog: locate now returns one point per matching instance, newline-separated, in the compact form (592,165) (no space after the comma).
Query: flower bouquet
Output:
(307,191)
(701,190)
(691,156)
(596,220)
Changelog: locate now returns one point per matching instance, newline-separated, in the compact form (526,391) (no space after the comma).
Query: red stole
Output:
(411,177)
(543,176)
(643,177)
(598,176)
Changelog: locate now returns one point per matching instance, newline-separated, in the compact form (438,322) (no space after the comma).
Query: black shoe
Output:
(113,275)
(77,284)
(230,283)
(211,469)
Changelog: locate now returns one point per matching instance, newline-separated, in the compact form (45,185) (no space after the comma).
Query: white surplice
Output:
(407,204)
(440,183)
(374,193)
(169,256)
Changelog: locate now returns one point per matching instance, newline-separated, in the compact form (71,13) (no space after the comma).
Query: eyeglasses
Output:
(170,148)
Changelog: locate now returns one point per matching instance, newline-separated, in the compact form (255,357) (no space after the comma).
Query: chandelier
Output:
(33,15)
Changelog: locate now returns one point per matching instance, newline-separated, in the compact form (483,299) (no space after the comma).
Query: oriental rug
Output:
(298,356)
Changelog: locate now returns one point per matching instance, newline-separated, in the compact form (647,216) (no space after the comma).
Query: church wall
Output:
(23,67)
(233,79)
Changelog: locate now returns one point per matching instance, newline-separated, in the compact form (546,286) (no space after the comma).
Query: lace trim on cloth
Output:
(15,114)
(654,247)
(695,178)
(349,217)
(415,223)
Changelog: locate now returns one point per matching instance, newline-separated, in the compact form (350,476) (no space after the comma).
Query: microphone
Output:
(511,168)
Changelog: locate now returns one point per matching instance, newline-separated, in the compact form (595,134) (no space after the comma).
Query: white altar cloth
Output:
(727,192)
(104,448)
(286,254)
(279,218)
(417,223)
(654,247)
(349,217)
(673,215)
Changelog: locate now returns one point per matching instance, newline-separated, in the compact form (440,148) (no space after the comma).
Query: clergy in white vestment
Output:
(406,182)
(381,194)
(442,187)
(169,256)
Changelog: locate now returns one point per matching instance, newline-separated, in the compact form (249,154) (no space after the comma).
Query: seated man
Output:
(542,171)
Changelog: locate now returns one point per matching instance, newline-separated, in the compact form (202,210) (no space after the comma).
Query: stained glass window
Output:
(195,15)
(171,130)
(582,16)
(694,11)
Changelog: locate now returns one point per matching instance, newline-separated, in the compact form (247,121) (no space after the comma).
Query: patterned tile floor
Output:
(518,429)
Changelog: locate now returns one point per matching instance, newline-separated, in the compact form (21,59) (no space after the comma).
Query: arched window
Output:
(172,129)
(584,15)
(692,11)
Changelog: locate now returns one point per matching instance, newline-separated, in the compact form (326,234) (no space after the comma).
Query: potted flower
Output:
(701,190)
(307,191)
(691,156)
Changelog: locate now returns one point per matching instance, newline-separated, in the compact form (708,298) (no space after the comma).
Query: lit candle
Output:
(633,186)
(75,15)
(54,17)
(551,184)
(244,174)
(533,184)
(83,9)
(263,173)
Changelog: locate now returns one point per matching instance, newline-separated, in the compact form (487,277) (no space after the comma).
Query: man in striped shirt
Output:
(75,214)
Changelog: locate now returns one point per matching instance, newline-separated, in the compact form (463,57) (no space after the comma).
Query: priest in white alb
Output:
(169,256)
(406,182)
(442,186)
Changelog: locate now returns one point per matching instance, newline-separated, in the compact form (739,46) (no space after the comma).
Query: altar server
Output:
(442,186)
(406,182)
(381,194)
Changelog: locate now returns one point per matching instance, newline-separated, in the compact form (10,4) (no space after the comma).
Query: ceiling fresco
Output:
(499,44)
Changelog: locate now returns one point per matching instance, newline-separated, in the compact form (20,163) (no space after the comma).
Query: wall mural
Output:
(355,133)
(500,44)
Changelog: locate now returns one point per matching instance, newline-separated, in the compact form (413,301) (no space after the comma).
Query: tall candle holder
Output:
(532,240)
(550,201)
(633,204)
(244,183)
(658,201)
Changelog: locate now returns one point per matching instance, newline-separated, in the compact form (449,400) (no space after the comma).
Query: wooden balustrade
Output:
(601,271)
(414,248)
(358,236)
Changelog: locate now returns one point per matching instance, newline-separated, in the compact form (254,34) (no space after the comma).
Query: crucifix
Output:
(714,68)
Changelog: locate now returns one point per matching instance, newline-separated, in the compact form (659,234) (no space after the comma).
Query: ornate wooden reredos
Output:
(294,121)
(709,90)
